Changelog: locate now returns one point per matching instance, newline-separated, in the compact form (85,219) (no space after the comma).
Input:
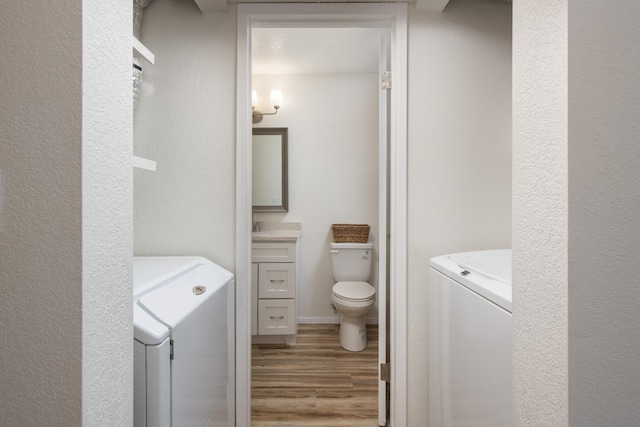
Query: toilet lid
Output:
(354,291)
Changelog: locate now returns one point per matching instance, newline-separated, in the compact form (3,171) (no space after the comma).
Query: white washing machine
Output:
(183,334)
(470,342)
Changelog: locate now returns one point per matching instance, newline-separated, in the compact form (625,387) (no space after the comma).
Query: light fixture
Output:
(276,101)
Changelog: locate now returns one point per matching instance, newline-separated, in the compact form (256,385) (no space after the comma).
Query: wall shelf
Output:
(142,50)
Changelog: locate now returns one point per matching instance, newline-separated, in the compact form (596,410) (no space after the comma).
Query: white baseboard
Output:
(329,320)
(319,320)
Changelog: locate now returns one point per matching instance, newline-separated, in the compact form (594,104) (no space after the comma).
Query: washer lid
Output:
(354,291)
(487,273)
(169,289)
(495,264)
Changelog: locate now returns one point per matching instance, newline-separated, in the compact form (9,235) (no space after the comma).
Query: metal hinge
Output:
(385,372)
(171,349)
(386,80)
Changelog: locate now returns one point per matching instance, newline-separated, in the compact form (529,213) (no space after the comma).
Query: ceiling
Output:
(314,50)
(223,5)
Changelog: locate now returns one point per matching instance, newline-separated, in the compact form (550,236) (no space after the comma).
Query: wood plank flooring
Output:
(315,383)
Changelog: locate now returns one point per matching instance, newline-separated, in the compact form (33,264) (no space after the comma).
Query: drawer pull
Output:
(276,317)
(277,281)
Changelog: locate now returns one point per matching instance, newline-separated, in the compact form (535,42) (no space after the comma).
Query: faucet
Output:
(256,225)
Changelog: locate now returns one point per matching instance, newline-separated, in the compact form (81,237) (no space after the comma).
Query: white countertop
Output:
(277,232)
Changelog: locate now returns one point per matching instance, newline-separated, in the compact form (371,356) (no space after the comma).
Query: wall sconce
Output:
(276,101)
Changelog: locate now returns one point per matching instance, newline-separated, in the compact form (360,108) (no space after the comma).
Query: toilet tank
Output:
(351,262)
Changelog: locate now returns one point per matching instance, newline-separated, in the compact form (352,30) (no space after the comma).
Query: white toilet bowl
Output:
(353,300)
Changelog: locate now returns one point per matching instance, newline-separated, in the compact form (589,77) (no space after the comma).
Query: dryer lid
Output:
(355,291)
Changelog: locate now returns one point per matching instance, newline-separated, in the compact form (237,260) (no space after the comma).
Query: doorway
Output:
(393,18)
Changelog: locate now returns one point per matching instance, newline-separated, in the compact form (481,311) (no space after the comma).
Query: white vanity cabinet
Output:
(274,287)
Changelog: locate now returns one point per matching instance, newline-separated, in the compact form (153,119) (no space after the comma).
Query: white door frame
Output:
(389,15)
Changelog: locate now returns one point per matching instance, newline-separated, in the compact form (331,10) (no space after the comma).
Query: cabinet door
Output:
(277,317)
(277,280)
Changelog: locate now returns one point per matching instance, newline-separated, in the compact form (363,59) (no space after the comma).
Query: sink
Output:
(261,233)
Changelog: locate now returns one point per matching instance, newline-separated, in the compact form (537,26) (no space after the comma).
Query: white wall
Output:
(459,153)
(604,206)
(333,170)
(186,122)
(540,213)
(576,103)
(107,218)
(65,241)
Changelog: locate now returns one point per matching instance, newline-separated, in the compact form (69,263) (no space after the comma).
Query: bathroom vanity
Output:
(274,283)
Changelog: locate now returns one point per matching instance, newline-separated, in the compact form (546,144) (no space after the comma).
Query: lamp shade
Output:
(276,98)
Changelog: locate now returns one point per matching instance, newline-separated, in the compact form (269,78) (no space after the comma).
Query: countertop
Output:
(277,232)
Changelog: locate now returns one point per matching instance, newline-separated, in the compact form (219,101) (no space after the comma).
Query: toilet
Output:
(352,295)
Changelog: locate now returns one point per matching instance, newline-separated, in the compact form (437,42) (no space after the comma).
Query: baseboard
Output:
(318,320)
(329,320)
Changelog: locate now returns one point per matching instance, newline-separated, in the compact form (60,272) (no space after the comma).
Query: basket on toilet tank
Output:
(350,233)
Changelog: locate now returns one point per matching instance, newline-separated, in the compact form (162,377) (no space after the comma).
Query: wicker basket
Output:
(350,233)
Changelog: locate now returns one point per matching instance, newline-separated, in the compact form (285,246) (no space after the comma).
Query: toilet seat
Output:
(354,291)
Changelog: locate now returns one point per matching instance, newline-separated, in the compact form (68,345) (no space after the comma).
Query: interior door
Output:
(383,215)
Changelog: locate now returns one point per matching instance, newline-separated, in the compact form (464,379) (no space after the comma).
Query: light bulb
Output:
(254,99)
(276,98)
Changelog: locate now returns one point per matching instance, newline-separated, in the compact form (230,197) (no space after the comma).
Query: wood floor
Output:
(315,383)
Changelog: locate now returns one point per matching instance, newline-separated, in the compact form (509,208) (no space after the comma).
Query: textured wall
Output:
(333,167)
(540,213)
(41,237)
(65,238)
(107,131)
(186,122)
(604,224)
(459,152)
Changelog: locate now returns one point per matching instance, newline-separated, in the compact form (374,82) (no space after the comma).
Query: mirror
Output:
(270,170)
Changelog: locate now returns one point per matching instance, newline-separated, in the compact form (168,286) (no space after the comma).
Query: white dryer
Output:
(183,343)
(470,343)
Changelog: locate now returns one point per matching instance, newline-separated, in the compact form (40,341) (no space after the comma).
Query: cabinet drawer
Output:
(254,299)
(277,280)
(273,252)
(276,317)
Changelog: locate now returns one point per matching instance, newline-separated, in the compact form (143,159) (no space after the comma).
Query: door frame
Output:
(383,15)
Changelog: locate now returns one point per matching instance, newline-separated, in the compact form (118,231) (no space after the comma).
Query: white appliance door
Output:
(470,366)
(199,333)
(199,370)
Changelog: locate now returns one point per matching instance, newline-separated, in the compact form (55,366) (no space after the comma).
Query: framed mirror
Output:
(270,188)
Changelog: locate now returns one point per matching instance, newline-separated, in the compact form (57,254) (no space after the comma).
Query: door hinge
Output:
(385,372)
(386,80)
(171,349)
